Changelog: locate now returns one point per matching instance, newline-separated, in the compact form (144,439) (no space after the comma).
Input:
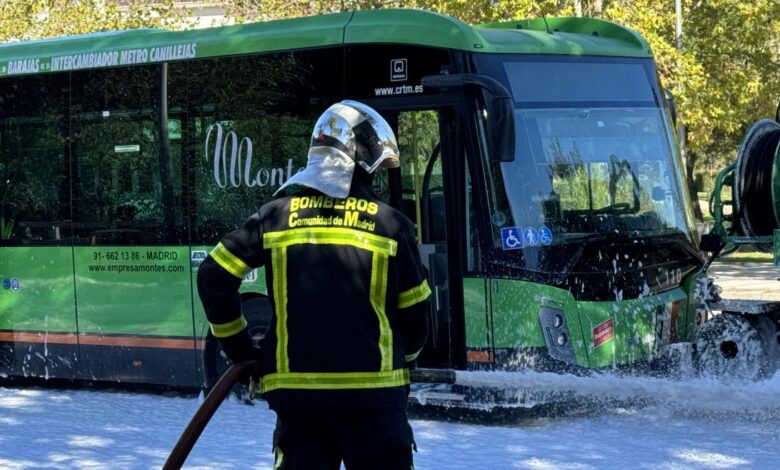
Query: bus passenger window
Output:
(421,175)
(249,122)
(127,187)
(33,160)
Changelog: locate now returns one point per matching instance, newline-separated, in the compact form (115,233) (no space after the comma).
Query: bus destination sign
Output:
(91,60)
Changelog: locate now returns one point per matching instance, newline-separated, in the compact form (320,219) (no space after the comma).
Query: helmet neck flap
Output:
(346,134)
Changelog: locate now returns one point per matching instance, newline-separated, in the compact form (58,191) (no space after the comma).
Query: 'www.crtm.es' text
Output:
(398,90)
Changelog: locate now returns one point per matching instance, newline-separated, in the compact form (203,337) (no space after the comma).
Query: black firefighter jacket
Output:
(349,296)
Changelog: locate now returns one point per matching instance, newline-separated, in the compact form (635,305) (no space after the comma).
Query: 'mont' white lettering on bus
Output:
(16,67)
(226,146)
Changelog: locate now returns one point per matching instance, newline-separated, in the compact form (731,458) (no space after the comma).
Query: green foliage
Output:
(470,11)
(35,19)
(418,135)
(725,76)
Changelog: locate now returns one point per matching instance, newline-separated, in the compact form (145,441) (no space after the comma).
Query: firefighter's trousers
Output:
(366,440)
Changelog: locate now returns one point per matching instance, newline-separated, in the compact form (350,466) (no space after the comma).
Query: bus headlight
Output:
(556,335)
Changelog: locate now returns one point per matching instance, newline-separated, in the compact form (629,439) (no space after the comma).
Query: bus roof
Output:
(570,36)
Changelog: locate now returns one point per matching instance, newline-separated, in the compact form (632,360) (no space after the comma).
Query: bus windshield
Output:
(595,158)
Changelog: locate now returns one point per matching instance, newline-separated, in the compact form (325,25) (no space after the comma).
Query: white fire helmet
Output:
(348,132)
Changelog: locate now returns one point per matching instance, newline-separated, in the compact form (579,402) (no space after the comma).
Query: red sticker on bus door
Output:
(602,333)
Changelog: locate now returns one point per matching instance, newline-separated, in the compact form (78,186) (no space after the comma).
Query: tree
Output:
(725,76)
(22,20)
(470,11)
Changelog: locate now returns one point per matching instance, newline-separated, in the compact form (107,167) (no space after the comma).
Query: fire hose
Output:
(226,383)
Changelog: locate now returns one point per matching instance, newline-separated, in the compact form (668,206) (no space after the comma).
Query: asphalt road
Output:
(755,281)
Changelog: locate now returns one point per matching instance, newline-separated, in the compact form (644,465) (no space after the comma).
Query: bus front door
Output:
(422,189)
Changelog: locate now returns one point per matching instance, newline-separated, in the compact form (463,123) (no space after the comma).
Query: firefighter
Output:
(349,296)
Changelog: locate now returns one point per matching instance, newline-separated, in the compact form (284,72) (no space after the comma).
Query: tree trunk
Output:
(598,7)
(690,164)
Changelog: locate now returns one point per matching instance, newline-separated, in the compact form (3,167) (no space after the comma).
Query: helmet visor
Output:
(376,144)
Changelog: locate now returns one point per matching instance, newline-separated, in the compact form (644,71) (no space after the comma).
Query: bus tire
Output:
(769,332)
(728,347)
(256,308)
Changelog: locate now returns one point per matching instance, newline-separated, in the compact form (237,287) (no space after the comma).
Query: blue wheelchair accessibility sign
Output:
(545,235)
(511,238)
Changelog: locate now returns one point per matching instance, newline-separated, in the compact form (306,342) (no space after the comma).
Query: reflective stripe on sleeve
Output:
(334,380)
(414,295)
(229,262)
(223,330)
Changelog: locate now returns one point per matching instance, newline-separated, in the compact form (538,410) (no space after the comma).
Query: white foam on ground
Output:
(699,393)
(67,429)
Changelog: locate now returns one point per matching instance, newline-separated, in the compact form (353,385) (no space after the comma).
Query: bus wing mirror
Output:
(500,125)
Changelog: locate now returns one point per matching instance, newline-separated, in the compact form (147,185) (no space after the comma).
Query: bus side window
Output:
(34,200)
(126,156)
(248,122)
(421,174)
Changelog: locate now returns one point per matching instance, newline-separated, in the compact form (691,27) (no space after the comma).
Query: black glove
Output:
(252,374)
(247,384)
(238,348)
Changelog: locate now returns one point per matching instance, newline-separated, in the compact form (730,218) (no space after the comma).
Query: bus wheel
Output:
(769,332)
(256,308)
(729,348)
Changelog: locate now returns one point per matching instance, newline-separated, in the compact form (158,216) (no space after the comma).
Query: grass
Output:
(747,257)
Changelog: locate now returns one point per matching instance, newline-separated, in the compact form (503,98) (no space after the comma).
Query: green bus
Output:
(539,164)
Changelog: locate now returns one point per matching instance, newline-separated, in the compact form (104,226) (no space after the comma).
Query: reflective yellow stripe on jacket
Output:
(414,295)
(334,380)
(223,330)
(230,262)
(332,236)
(382,248)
